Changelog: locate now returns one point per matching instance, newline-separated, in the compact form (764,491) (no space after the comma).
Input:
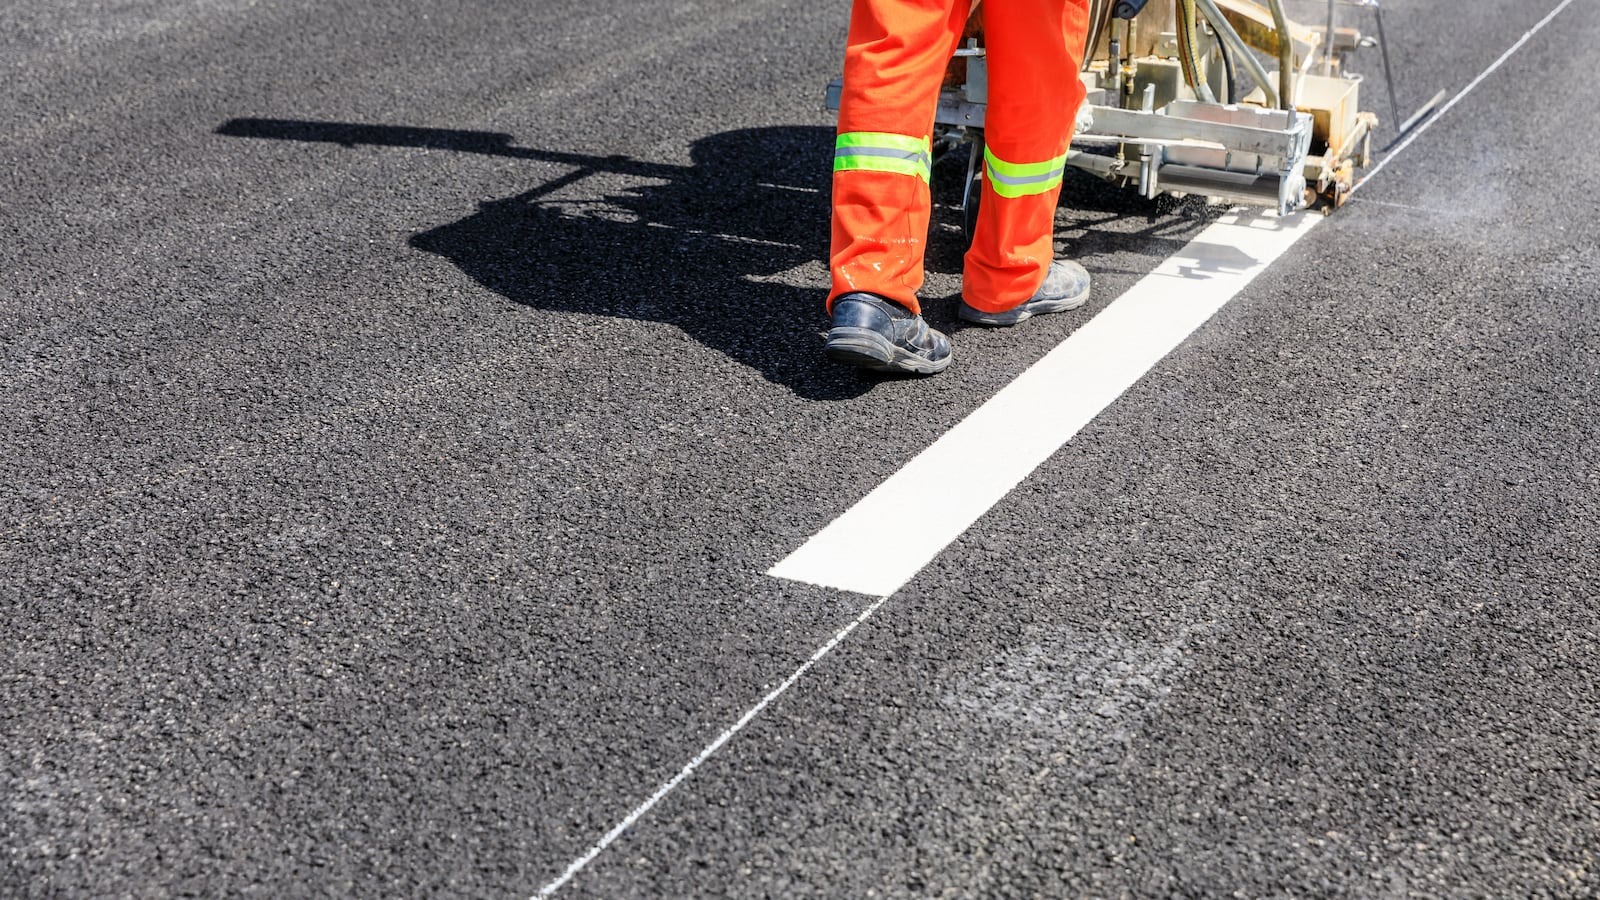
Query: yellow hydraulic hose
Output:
(1188,58)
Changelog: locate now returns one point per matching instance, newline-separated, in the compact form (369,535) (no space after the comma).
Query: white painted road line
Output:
(891,534)
(884,540)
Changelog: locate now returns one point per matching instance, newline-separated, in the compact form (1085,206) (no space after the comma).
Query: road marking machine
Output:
(1226,99)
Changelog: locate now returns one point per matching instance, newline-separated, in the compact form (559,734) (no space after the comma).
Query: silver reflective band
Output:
(1025,179)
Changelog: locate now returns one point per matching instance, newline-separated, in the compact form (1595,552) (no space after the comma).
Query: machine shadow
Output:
(1096,221)
(1106,220)
(729,249)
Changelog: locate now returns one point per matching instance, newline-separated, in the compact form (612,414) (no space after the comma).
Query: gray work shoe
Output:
(1066,286)
(874,333)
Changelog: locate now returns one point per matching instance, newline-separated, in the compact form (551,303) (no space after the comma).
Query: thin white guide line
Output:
(711,748)
(1464,92)
(705,754)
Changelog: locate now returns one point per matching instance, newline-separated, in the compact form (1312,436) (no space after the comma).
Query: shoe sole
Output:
(1022,313)
(867,349)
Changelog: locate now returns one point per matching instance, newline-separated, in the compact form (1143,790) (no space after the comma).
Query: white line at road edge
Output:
(705,754)
(1287,232)
(885,539)
(1464,92)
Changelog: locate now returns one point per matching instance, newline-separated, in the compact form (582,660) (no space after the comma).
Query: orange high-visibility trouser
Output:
(895,59)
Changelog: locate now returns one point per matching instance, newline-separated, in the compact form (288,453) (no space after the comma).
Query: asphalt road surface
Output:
(403,404)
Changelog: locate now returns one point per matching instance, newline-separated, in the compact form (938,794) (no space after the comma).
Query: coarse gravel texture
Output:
(405,400)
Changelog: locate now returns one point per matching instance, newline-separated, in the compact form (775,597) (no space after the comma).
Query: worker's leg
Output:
(895,59)
(1035,50)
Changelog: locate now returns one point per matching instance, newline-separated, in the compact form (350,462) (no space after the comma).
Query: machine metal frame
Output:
(1153,121)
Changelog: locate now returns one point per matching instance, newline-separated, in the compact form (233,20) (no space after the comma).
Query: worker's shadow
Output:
(729,249)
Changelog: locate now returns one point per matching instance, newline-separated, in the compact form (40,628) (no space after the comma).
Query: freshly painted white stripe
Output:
(884,540)
(1463,93)
(705,753)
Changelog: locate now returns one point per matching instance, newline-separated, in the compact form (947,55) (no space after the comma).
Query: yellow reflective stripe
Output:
(881,139)
(1023,170)
(1022,179)
(880,164)
(876,151)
